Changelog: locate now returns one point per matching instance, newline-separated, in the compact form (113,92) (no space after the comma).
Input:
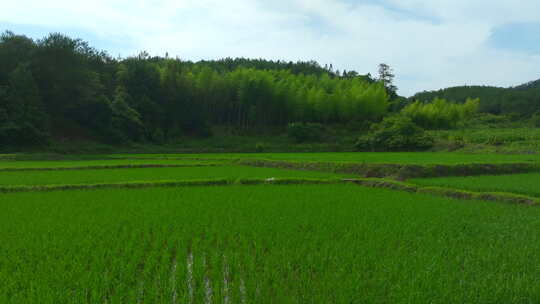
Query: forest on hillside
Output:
(60,88)
(57,84)
(523,100)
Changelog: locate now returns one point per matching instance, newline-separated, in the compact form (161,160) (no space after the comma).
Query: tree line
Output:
(522,100)
(59,86)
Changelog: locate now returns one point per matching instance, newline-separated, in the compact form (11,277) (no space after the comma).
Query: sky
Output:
(430,44)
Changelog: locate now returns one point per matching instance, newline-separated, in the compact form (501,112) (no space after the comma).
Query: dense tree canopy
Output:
(529,85)
(57,84)
(440,114)
(59,87)
(523,100)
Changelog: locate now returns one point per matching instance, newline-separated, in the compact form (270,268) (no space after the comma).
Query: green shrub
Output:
(491,119)
(495,141)
(536,120)
(514,116)
(260,147)
(158,137)
(25,134)
(396,133)
(440,114)
(304,132)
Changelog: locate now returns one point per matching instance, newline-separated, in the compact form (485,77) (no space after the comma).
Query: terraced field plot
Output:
(265,244)
(356,157)
(327,243)
(526,184)
(229,172)
(101,163)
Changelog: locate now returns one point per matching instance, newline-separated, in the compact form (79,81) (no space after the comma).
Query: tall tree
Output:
(386,76)
(24,122)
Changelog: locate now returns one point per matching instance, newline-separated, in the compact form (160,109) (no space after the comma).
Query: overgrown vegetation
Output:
(303,132)
(522,100)
(61,93)
(396,133)
(440,114)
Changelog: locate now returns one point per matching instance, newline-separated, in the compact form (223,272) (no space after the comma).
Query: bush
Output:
(260,147)
(514,116)
(396,133)
(24,135)
(489,119)
(158,137)
(536,120)
(204,130)
(440,114)
(495,140)
(304,132)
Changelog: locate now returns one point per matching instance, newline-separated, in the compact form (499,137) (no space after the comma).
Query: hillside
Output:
(62,88)
(523,99)
(529,85)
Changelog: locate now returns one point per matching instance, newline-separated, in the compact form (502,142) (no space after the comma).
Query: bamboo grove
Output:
(58,84)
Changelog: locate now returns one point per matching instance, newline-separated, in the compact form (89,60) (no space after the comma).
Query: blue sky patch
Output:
(400,12)
(520,37)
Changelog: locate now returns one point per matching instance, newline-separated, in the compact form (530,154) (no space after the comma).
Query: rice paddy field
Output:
(527,184)
(356,157)
(264,243)
(92,176)
(7,164)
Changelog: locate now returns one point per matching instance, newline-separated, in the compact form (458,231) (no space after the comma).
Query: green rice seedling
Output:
(101,163)
(526,184)
(337,243)
(418,158)
(151,174)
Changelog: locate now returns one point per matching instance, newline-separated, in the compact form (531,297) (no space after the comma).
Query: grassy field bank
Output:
(527,184)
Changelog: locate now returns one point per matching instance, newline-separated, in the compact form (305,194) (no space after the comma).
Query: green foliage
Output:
(386,76)
(488,119)
(59,87)
(524,99)
(529,85)
(157,136)
(22,120)
(156,99)
(536,120)
(395,133)
(500,136)
(260,147)
(126,121)
(304,132)
(440,114)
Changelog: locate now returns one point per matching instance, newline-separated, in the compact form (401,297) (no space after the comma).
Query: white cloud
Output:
(430,43)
